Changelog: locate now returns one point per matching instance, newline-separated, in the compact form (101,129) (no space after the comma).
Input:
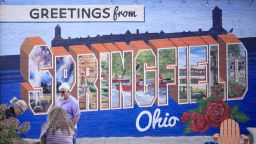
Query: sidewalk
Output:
(147,140)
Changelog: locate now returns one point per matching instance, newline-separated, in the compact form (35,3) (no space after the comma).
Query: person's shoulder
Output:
(9,112)
(73,99)
(45,125)
(44,129)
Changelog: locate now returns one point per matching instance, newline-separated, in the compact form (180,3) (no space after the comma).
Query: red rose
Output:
(215,112)
(199,124)
(186,116)
(195,116)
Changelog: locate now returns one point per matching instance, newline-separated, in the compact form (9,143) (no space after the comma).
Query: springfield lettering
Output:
(116,75)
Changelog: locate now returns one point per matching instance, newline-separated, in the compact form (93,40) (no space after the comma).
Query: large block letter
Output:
(103,82)
(87,74)
(144,74)
(36,61)
(64,69)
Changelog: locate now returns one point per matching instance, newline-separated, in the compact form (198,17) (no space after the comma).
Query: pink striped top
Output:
(59,137)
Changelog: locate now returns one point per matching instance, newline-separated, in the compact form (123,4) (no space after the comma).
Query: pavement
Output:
(147,140)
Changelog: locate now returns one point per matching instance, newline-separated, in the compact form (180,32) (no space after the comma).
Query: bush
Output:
(11,128)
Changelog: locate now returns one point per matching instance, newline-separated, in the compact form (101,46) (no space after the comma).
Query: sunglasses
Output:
(21,111)
(62,92)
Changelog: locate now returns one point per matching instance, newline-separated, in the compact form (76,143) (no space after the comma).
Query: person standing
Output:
(10,127)
(70,106)
(57,129)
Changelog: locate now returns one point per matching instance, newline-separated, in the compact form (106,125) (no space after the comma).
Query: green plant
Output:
(11,128)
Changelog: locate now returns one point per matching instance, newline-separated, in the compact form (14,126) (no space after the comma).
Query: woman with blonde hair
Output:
(57,129)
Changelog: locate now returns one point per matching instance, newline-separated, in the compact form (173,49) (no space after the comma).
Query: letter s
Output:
(36,63)
(106,11)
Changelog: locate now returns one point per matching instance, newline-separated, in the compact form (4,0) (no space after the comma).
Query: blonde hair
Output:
(57,119)
(19,103)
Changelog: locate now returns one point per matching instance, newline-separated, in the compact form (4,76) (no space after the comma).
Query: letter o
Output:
(138,121)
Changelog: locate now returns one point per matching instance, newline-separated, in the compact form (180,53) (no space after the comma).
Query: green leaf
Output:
(187,130)
(210,98)
(192,110)
(235,109)
(201,105)
(241,117)
(232,116)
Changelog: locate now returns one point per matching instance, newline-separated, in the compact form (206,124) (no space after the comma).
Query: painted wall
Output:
(234,64)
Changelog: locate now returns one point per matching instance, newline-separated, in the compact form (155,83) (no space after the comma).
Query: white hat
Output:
(64,86)
(20,103)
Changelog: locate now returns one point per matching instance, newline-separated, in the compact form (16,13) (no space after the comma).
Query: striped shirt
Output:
(58,137)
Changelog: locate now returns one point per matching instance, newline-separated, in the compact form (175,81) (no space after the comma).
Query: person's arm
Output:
(76,113)
(75,120)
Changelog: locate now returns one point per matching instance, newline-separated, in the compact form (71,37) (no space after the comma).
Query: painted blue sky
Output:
(182,57)
(197,54)
(169,16)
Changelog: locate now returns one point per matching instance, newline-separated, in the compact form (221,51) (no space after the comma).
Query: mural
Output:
(199,72)
(137,83)
(153,70)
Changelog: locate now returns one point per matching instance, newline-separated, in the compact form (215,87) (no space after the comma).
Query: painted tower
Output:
(57,33)
(217,18)
(217,23)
